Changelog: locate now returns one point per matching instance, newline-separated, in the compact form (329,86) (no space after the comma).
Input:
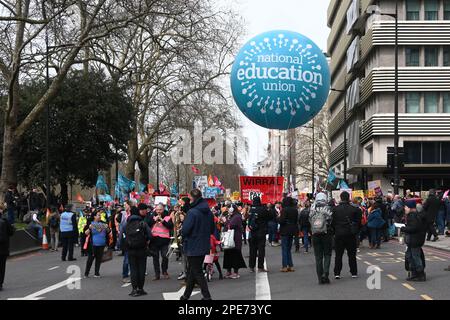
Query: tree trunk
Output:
(64,192)
(132,156)
(143,163)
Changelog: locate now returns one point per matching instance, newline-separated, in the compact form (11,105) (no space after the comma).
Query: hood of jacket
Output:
(256,201)
(201,205)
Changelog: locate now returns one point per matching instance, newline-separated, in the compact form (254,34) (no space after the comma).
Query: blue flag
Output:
(343,185)
(174,189)
(101,184)
(331,176)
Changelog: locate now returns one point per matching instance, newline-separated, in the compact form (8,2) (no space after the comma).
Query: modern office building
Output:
(361,46)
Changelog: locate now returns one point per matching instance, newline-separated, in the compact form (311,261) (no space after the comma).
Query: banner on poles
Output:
(211,192)
(269,189)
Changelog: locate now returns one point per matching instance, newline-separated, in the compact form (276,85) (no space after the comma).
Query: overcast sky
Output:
(304,16)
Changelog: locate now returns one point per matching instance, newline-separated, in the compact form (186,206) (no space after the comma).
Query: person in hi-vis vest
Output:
(69,232)
(161,224)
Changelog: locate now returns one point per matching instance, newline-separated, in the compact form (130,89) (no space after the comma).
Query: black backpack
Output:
(135,234)
(53,223)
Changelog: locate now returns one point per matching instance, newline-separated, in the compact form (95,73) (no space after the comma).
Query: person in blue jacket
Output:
(375,224)
(196,232)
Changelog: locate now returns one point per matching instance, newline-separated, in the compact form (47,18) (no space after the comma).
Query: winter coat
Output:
(303,220)
(235,223)
(5,226)
(415,230)
(261,216)
(288,221)
(431,207)
(343,215)
(375,220)
(198,227)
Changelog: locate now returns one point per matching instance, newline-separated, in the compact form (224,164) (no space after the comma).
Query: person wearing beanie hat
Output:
(415,232)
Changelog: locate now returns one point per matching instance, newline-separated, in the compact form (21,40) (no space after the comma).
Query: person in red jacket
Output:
(213,252)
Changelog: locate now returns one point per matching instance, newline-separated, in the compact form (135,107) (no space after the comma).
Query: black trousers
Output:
(431,230)
(195,275)
(67,243)
(97,254)
(138,265)
(2,268)
(345,243)
(160,249)
(257,248)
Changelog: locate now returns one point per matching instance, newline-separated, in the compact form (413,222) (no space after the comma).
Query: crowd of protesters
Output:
(192,230)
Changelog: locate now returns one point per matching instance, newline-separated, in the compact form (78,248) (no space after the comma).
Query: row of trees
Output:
(163,62)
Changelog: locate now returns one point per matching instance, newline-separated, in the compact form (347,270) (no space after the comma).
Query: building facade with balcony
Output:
(361,45)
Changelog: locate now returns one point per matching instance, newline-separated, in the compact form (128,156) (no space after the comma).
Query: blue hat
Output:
(411,204)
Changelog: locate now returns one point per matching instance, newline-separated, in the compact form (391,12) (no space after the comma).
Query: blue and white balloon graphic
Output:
(280,79)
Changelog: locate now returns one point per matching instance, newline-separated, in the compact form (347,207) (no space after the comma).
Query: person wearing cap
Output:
(415,232)
(161,225)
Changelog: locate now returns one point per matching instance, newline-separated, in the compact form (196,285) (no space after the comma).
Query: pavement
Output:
(443,243)
(42,275)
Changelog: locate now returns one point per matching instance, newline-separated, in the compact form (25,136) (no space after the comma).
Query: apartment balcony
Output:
(410,33)
(409,79)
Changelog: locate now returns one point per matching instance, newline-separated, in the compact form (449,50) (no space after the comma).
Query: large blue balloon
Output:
(280,79)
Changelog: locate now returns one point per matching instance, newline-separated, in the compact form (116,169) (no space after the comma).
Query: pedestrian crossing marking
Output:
(409,287)
(392,277)
(426,297)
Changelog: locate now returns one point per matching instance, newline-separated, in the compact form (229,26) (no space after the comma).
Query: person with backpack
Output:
(197,230)
(415,232)
(53,223)
(136,238)
(6,231)
(304,225)
(258,225)
(346,224)
(320,218)
(375,223)
(97,232)
(288,221)
(69,232)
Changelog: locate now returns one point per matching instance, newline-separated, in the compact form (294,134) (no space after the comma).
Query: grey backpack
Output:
(319,218)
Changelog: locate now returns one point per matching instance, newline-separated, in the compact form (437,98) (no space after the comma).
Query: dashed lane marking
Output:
(409,287)
(53,268)
(368,263)
(392,277)
(426,297)
(126,285)
(358,258)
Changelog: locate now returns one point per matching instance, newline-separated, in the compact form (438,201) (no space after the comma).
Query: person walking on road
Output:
(346,224)
(232,258)
(304,225)
(196,233)
(98,238)
(258,225)
(161,224)
(431,207)
(320,218)
(6,231)
(54,222)
(415,231)
(375,223)
(69,232)
(136,238)
(288,221)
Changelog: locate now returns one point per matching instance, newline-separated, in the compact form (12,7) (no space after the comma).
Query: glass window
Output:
(446,98)
(447,56)
(431,102)
(431,9)
(412,10)
(413,152)
(431,57)
(445,147)
(431,152)
(412,56)
(446,9)
(412,102)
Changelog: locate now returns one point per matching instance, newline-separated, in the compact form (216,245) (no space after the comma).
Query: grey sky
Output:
(304,16)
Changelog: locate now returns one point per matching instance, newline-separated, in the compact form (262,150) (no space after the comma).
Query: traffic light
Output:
(390,158)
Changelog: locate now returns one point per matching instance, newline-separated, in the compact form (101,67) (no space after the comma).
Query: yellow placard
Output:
(371,194)
(358,194)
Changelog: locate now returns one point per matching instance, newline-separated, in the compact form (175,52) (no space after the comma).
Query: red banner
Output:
(269,189)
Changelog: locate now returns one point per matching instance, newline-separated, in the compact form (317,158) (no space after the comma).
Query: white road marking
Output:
(177,295)
(262,285)
(126,285)
(368,263)
(37,295)
(358,258)
(392,277)
(53,268)
(408,287)
(426,297)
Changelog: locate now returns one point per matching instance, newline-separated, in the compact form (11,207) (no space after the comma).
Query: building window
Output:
(446,9)
(431,153)
(446,99)
(431,57)
(412,56)
(412,102)
(413,152)
(412,10)
(447,56)
(445,152)
(431,9)
(431,102)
